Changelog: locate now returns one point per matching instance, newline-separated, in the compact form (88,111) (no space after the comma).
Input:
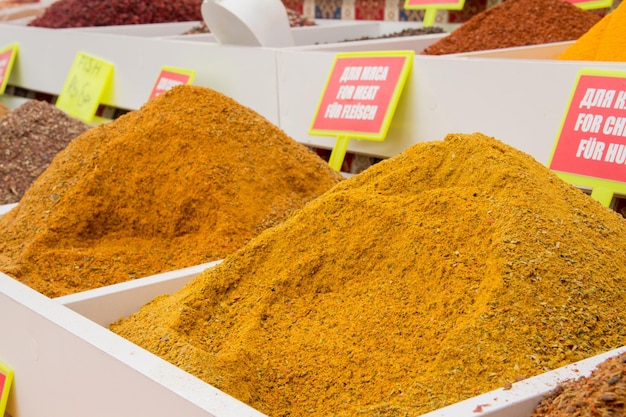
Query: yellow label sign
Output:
(84,86)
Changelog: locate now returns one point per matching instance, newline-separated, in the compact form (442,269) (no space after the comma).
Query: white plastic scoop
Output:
(248,22)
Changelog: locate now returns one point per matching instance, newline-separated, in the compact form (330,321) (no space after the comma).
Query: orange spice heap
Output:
(452,269)
(186,179)
(605,41)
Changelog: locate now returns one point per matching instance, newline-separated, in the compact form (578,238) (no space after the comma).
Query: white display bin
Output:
(46,55)
(5,208)
(330,32)
(518,101)
(548,51)
(68,335)
(66,365)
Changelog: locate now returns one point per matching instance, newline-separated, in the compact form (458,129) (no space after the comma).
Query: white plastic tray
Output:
(5,208)
(66,365)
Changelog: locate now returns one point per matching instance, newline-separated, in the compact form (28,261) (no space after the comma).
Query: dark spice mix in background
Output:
(30,137)
(82,13)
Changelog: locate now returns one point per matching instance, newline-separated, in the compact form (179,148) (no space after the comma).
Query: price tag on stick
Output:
(7,58)
(592,4)
(84,86)
(170,77)
(590,150)
(431,6)
(360,97)
(6,378)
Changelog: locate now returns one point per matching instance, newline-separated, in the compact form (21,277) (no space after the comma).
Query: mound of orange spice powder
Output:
(452,269)
(605,41)
(186,179)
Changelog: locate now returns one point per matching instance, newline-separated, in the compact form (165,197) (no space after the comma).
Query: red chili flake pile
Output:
(602,394)
(517,23)
(30,137)
(84,13)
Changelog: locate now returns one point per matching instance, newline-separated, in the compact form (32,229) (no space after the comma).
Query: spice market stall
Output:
(520,101)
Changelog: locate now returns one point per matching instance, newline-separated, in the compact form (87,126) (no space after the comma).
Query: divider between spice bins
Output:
(66,365)
(107,304)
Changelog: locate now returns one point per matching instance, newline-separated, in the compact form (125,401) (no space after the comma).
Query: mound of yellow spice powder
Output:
(605,41)
(186,179)
(451,269)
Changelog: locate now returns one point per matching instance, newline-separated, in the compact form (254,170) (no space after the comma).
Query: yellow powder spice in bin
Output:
(187,179)
(605,41)
(452,269)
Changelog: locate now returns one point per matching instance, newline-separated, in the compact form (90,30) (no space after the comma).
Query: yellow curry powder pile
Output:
(451,269)
(186,179)
(605,41)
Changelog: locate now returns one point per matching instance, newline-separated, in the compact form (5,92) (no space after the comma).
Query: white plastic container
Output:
(66,365)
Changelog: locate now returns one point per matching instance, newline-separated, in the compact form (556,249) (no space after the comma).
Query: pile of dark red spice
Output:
(84,13)
(517,23)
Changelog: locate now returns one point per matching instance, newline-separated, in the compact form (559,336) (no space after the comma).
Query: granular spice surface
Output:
(605,41)
(84,13)
(30,136)
(186,179)
(451,269)
(517,23)
(601,394)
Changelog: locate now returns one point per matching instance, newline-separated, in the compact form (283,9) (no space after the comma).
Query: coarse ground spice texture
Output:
(30,137)
(84,13)
(186,179)
(601,394)
(605,41)
(451,269)
(517,23)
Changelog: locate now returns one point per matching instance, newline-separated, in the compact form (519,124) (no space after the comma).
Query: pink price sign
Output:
(169,78)
(592,140)
(361,95)
(7,57)
(6,378)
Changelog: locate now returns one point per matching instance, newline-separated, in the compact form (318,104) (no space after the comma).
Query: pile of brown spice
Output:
(30,136)
(601,394)
(186,179)
(517,23)
(452,269)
